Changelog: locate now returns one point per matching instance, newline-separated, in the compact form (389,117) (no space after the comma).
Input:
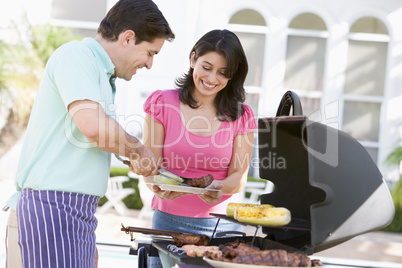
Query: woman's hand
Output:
(167,194)
(211,197)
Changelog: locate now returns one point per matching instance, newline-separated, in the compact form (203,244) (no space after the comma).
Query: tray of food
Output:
(183,189)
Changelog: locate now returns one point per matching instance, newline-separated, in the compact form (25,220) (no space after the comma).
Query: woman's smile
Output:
(208,85)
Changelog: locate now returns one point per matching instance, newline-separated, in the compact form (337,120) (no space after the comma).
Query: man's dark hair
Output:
(228,100)
(141,16)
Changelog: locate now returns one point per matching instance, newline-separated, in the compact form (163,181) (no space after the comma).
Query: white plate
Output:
(222,264)
(183,189)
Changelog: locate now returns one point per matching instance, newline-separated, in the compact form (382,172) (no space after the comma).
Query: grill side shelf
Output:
(295,224)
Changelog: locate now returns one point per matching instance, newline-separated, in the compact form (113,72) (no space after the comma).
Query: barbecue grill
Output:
(325,178)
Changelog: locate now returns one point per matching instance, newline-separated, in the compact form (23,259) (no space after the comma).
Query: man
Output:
(65,160)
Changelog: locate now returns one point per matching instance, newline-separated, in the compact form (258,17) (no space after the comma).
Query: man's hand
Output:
(143,162)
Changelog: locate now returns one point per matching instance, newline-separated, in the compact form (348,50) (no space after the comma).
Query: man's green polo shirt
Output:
(56,155)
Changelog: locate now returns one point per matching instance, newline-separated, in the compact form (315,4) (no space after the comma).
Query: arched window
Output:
(251,28)
(305,58)
(364,82)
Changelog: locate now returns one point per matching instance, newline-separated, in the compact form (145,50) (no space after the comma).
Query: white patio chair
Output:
(146,195)
(115,194)
(256,189)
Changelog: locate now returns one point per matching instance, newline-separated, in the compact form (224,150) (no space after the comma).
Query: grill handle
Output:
(142,257)
(289,100)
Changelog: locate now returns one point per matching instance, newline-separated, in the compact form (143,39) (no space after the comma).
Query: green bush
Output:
(132,201)
(251,178)
(396,224)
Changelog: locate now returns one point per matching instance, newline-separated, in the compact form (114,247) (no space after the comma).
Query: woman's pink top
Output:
(191,155)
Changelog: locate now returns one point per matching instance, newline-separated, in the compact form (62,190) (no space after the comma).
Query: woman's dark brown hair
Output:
(228,101)
(141,16)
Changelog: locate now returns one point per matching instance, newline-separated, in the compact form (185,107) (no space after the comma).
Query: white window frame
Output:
(309,33)
(254,29)
(367,37)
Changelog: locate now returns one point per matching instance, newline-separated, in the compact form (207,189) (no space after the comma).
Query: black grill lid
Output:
(322,175)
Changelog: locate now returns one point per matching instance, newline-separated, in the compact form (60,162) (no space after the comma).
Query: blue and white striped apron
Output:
(57,229)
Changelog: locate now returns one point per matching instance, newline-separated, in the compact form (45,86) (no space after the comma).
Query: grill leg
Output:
(142,257)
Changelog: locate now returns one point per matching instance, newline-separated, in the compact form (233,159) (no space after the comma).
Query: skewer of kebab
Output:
(179,239)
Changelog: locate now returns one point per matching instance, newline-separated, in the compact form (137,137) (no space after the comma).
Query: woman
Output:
(202,128)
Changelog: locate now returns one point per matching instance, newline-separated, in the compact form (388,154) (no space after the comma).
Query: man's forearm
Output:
(105,133)
(114,139)
(102,130)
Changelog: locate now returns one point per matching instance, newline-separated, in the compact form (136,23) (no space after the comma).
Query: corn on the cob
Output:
(231,207)
(162,180)
(173,176)
(276,216)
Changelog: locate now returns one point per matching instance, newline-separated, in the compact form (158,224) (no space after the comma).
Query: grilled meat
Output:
(301,260)
(244,248)
(201,182)
(275,257)
(187,239)
(239,249)
(235,243)
(200,251)
(216,255)
(240,252)
(316,263)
